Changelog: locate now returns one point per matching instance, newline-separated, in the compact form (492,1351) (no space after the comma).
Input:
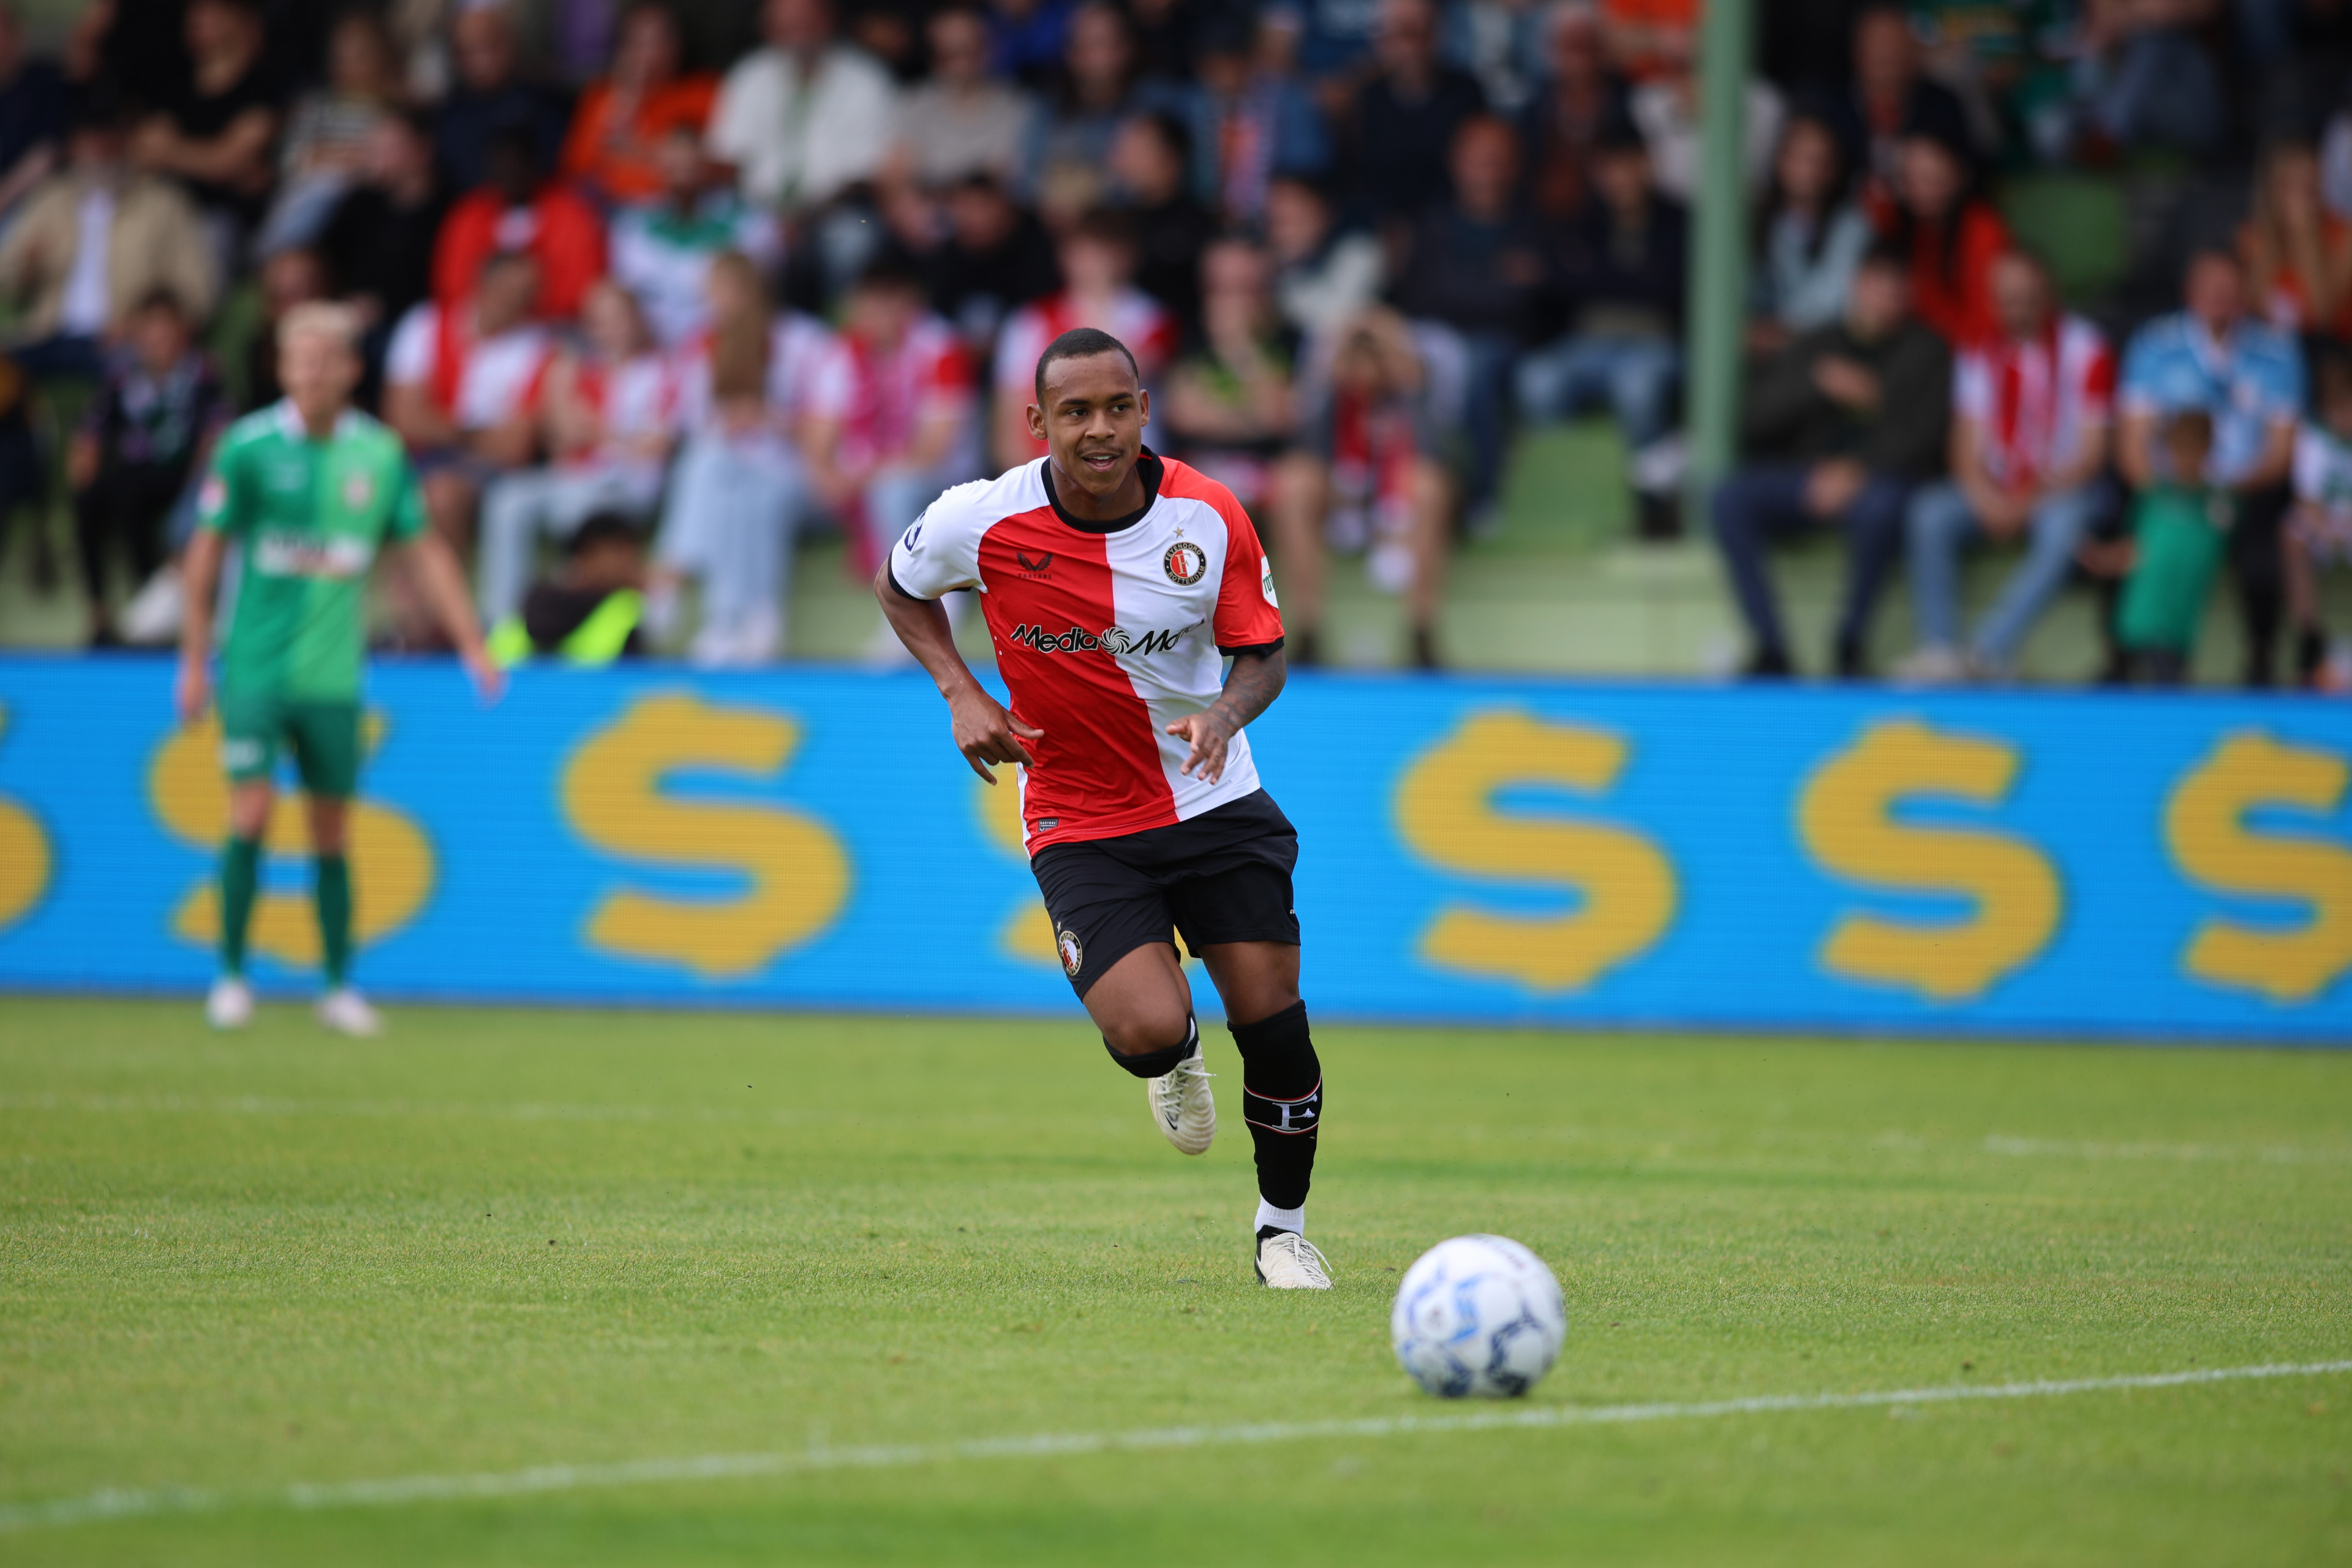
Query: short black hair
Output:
(1083,343)
(601,529)
(891,269)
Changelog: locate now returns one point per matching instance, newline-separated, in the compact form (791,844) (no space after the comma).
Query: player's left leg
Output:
(1282,1099)
(326,738)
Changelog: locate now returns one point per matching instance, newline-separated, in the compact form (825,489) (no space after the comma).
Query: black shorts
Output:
(1224,876)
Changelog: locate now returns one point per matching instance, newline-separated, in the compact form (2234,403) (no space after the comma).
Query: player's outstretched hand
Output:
(191,692)
(985,732)
(1208,736)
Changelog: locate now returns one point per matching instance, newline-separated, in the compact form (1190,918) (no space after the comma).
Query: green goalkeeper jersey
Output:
(311,516)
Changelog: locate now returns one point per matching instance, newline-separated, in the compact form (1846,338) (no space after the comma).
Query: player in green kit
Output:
(310,489)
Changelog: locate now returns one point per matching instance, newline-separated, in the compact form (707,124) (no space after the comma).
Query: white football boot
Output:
(229,1004)
(1288,1261)
(1181,1105)
(346,1012)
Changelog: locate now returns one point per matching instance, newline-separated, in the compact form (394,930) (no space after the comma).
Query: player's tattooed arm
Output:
(1254,681)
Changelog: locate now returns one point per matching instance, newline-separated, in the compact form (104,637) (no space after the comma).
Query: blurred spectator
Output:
(1651,37)
(1951,235)
(378,243)
(290,278)
(1406,115)
(963,120)
(89,244)
(1229,407)
(1665,107)
(1368,477)
(996,258)
(1027,37)
(1501,45)
(1334,39)
(1622,264)
(618,130)
(1324,275)
(326,146)
(1098,262)
(1839,426)
(519,210)
(33,114)
(216,128)
(2298,255)
(741,490)
(2178,526)
(463,380)
(2319,533)
(590,612)
(2033,408)
(1811,235)
(610,409)
(1150,158)
(1095,94)
(663,249)
(803,115)
(490,97)
(1251,120)
(1582,95)
(1891,99)
(1476,265)
(140,438)
(892,419)
(1168,37)
(2143,79)
(2248,376)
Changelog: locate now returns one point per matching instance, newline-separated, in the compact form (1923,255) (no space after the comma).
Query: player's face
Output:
(317,371)
(1092,421)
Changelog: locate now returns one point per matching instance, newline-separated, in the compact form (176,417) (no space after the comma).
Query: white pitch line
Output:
(122,1503)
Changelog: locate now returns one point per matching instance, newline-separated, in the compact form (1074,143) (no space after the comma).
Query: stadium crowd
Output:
(663,321)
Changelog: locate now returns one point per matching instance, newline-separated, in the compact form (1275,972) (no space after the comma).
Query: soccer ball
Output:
(1478,1315)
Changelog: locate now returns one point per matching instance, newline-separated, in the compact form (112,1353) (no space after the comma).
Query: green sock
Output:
(333,892)
(240,875)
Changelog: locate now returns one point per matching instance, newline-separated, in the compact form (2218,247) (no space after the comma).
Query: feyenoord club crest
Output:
(1074,957)
(1185,562)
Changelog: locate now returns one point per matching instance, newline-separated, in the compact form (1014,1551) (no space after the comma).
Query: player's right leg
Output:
(326,737)
(251,726)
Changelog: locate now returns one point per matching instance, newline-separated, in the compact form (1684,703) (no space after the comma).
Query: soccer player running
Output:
(1113,579)
(310,487)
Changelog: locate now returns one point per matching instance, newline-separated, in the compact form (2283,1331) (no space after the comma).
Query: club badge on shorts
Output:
(1074,957)
(1185,562)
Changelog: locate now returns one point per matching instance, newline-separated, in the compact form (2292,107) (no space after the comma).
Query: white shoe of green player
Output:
(229,1004)
(1288,1261)
(1182,1106)
(346,1012)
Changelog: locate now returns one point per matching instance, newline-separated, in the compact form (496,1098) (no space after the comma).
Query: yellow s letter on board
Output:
(1028,932)
(24,856)
(611,796)
(1445,815)
(1845,818)
(392,861)
(2204,828)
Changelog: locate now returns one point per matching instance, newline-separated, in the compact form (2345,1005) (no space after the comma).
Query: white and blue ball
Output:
(1478,1315)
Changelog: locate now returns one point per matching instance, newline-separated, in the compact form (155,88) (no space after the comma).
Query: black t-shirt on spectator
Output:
(32,110)
(1401,148)
(1636,276)
(373,246)
(1476,276)
(976,289)
(1168,254)
(201,116)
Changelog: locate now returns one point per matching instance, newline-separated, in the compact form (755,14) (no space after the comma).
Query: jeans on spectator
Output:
(1757,503)
(66,357)
(520,506)
(126,502)
(1486,413)
(735,503)
(1941,525)
(1635,376)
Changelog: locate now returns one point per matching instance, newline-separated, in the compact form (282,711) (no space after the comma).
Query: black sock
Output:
(1161,1062)
(1282,1101)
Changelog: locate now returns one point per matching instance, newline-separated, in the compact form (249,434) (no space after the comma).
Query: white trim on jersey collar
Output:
(288,420)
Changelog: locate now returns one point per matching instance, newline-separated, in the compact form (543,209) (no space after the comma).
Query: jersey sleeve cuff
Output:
(1260,649)
(903,592)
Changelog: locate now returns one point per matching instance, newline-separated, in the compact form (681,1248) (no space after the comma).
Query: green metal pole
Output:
(1717,302)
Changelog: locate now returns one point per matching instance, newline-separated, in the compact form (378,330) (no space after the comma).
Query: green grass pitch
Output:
(231,1268)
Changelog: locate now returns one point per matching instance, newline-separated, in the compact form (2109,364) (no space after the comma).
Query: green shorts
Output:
(323,736)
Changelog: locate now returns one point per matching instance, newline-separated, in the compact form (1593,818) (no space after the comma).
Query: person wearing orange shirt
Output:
(623,119)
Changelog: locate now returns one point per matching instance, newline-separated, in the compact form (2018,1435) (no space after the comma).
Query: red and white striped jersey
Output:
(2032,402)
(880,395)
(1105,634)
(637,398)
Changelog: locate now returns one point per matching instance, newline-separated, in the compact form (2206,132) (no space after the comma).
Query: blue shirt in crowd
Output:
(2249,381)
